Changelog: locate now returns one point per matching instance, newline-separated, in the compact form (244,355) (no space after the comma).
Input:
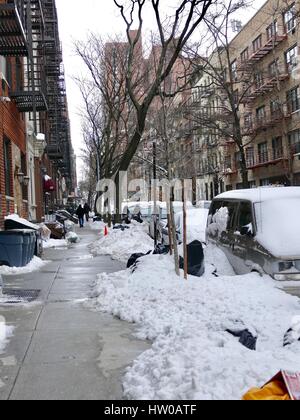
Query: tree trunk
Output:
(176,253)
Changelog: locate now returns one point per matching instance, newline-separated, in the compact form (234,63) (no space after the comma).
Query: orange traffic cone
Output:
(105,231)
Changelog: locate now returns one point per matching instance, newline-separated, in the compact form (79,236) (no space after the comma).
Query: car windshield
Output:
(278,226)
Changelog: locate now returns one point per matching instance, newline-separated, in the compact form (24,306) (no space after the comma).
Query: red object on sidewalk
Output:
(105,231)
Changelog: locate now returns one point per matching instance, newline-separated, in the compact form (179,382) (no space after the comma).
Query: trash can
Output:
(11,224)
(11,248)
(28,244)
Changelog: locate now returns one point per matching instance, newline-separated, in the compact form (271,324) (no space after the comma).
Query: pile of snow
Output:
(5,333)
(192,356)
(120,245)
(24,222)
(34,265)
(196,224)
(99,226)
(55,243)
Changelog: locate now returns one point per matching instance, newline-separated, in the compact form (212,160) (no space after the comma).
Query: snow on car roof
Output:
(257,195)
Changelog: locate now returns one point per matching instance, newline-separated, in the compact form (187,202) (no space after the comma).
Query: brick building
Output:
(264,55)
(34,125)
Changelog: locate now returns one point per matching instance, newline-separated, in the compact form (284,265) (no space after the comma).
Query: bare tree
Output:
(174,35)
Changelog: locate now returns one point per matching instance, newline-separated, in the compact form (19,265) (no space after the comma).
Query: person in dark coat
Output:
(80,213)
(87,210)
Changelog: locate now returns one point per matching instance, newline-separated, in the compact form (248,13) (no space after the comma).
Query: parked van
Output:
(259,230)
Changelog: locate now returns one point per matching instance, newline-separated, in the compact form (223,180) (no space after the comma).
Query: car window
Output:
(232,209)
(217,205)
(245,219)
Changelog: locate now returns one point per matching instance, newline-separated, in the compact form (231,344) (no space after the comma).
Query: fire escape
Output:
(257,82)
(59,143)
(21,35)
(13,41)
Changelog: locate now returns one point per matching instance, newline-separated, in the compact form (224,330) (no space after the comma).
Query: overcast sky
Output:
(76,19)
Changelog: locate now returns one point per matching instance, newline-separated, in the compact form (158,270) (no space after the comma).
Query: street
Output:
(61,350)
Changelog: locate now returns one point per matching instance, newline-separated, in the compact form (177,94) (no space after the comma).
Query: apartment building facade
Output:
(265,74)
(35,142)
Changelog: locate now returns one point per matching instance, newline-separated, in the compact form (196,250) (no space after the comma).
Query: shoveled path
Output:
(60,349)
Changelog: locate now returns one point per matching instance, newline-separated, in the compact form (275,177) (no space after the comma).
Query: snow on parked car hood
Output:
(192,356)
(120,245)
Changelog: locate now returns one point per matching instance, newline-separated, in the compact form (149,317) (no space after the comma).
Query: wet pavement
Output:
(60,349)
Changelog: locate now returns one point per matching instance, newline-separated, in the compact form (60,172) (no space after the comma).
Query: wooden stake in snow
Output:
(185,253)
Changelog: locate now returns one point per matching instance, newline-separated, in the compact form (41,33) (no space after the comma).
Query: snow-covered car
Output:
(203,204)
(259,231)
(142,208)
(162,222)
(196,226)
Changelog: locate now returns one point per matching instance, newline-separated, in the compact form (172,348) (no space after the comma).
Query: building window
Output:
(238,160)
(234,71)
(250,156)
(245,55)
(261,114)
(294,141)
(263,154)
(293,99)
(277,147)
(272,30)
(274,68)
(291,58)
(7,167)
(258,79)
(276,109)
(265,182)
(248,121)
(228,163)
(290,18)
(257,44)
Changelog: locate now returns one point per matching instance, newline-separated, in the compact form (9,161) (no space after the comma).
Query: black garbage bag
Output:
(134,258)
(195,254)
(161,250)
(138,218)
(121,227)
(246,338)
(290,338)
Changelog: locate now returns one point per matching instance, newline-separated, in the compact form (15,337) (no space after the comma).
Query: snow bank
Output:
(120,245)
(34,265)
(55,243)
(99,226)
(5,333)
(193,357)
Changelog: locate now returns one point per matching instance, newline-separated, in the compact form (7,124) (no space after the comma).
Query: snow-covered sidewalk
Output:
(120,245)
(193,357)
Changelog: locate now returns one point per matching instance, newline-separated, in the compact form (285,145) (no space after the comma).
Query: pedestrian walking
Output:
(80,213)
(87,211)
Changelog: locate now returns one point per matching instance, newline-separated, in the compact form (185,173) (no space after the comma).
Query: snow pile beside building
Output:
(193,357)
(34,265)
(120,245)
